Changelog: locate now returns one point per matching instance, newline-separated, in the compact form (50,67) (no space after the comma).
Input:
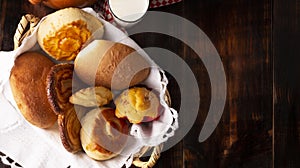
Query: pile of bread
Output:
(89,86)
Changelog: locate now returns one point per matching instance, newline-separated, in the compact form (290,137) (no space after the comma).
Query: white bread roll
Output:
(111,64)
(103,136)
(63,33)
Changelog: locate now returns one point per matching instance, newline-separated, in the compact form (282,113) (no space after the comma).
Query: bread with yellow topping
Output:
(138,105)
(63,34)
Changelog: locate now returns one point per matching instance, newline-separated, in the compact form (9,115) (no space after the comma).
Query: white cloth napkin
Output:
(34,147)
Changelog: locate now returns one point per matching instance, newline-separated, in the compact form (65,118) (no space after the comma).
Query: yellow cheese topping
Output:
(66,43)
(137,105)
(139,98)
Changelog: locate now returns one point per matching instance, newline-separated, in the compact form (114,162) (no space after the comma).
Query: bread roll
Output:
(110,64)
(103,136)
(63,33)
(138,105)
(28,84)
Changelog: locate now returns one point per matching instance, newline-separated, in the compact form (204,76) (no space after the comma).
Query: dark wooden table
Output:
(258,44)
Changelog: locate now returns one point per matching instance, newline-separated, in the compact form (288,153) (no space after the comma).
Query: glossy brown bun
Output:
(62,34)
(110,64)
(69,130)
(59,87)
(103,135)
(28,84)
(59,4)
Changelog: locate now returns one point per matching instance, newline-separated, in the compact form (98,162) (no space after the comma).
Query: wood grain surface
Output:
(258,44)
(286,28)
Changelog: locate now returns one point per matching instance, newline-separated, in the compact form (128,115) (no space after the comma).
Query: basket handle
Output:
(23,30)
(152,160)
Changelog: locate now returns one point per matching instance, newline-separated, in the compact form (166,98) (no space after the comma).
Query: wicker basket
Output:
(26,26)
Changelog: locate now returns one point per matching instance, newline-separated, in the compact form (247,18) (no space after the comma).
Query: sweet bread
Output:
(110,64)
(63,34)
(59,87)
(138,105)
(103,135)
(92,96)
(28,85)
(69,130)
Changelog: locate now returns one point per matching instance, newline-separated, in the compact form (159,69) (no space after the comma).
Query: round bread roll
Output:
(111,64)
(28,85)
(103,135)
(138,105)
(63,33)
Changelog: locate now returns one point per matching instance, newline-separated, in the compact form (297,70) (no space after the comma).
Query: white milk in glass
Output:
(128,12)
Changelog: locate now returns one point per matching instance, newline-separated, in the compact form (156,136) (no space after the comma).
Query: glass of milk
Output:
(127,13)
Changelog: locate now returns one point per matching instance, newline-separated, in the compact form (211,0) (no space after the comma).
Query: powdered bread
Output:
(110,64)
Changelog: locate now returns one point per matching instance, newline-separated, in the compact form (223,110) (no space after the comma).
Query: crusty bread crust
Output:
(28,84)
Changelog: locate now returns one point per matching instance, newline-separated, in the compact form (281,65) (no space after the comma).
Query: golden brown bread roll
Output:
(63,33)
(110,64)
(103,135)
(138,105)
(28,84)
